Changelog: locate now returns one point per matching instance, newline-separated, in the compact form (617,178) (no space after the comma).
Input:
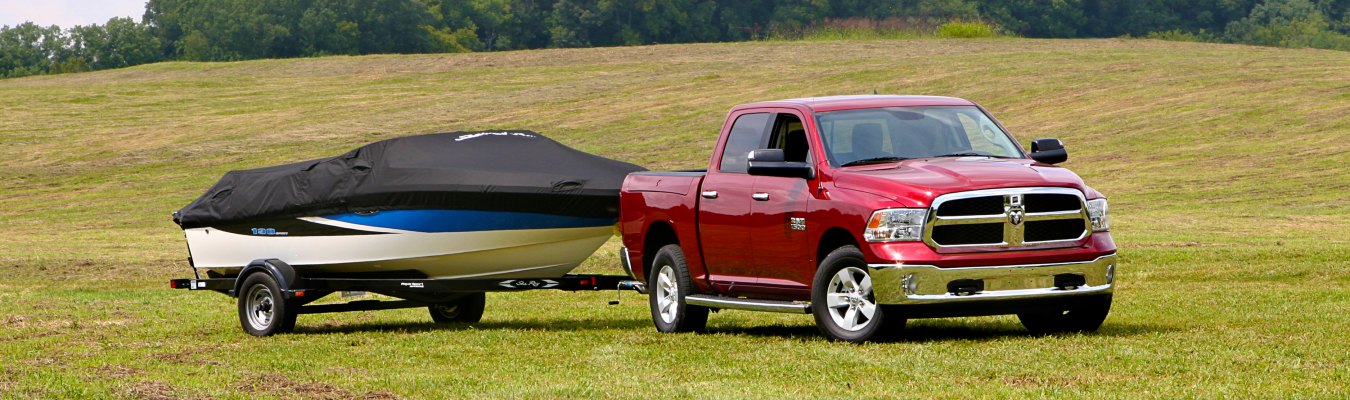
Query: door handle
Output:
(710,194)
(760,196)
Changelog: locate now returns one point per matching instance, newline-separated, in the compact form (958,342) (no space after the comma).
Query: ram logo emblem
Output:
(1015,211)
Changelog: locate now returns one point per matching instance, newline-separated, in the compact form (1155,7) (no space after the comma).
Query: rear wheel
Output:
(842,301)
(467,309)
(1084,315)
(670,284)
(263,308)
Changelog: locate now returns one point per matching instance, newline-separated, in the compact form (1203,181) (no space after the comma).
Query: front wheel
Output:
(670,284)
(842,301)
(467,309)
(263,309)
(1085,315)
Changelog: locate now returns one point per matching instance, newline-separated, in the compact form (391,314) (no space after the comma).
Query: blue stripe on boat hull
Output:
(433,221)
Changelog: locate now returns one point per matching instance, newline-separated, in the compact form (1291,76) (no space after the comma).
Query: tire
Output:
(1084,315)
(670,284)
(842,301)
(263,308)
(467,309)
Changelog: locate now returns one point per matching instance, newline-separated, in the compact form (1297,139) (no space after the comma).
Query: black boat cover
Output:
(514,170)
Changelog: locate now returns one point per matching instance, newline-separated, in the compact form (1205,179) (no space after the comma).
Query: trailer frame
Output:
(295,291)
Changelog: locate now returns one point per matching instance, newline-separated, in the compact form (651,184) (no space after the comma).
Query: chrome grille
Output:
(1007,219)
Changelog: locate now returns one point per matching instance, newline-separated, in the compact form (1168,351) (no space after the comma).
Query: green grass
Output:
(1228,169)
(966,30)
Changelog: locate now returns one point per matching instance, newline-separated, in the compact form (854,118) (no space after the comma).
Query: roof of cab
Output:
(836,103)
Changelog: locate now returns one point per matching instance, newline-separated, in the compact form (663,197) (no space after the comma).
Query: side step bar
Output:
(733,303)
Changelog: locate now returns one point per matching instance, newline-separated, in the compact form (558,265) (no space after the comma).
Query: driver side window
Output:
(789,135)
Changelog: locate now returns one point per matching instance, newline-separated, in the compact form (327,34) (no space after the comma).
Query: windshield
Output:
(856,137)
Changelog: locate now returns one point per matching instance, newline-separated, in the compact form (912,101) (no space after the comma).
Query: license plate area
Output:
(1019,282)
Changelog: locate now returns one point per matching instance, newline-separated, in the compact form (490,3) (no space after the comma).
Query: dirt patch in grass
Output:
(47,327)
(44,362)
(6,381)
(29,336)
(184,357)
(116,371)
(282,386)
(152,390)
(1026,381)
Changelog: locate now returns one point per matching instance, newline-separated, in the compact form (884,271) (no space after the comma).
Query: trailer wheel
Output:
(1085,316)
(263,308)
(467,309)
(669,284)
(842,301)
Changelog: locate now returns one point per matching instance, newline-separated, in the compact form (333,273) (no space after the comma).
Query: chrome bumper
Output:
(927,284)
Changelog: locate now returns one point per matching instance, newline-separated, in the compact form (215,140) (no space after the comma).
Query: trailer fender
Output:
(281,271)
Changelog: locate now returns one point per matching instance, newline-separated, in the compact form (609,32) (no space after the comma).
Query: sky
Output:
(68,13)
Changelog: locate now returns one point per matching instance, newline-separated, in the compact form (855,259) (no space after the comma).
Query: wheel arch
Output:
(659,234)
(833,238)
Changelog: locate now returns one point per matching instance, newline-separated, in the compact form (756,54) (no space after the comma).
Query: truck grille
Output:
(1007,219)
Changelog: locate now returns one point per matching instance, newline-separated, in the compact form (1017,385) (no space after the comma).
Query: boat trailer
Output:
(271,293)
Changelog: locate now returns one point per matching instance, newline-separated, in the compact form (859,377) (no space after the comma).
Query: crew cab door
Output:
(778,220)
(724,203)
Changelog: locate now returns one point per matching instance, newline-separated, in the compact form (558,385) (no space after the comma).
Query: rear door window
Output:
(748,133)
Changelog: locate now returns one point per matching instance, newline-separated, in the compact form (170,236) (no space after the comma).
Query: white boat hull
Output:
(524,253)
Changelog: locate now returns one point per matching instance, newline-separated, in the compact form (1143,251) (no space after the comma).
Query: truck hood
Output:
(915,183)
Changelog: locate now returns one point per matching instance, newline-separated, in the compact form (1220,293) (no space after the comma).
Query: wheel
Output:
(842,300)
(1085,315)
(467,309)
(669,284)
(263,308)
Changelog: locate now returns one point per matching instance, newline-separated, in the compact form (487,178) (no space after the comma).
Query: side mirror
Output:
(769,162)
(1049,151)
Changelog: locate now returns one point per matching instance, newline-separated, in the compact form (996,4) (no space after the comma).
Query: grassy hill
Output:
(1228,169)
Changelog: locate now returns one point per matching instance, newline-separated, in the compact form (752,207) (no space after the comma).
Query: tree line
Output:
(220,30)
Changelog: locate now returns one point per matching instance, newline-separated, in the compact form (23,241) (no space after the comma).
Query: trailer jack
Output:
(636,286)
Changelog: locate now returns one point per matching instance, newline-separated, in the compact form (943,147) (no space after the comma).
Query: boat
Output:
(484,204)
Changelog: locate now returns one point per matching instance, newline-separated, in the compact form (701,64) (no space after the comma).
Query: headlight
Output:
(896,225)
(1101,221)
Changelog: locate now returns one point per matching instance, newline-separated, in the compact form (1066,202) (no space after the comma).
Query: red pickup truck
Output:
(867,211)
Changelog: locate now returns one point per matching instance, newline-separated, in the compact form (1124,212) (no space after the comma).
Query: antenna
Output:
(874,90)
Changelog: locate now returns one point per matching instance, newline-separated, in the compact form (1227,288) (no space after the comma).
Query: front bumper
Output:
(905,284)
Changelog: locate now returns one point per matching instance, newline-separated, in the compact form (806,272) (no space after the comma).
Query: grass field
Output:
(1228,169)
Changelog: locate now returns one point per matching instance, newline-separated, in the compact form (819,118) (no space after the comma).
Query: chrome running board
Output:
(733,303)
